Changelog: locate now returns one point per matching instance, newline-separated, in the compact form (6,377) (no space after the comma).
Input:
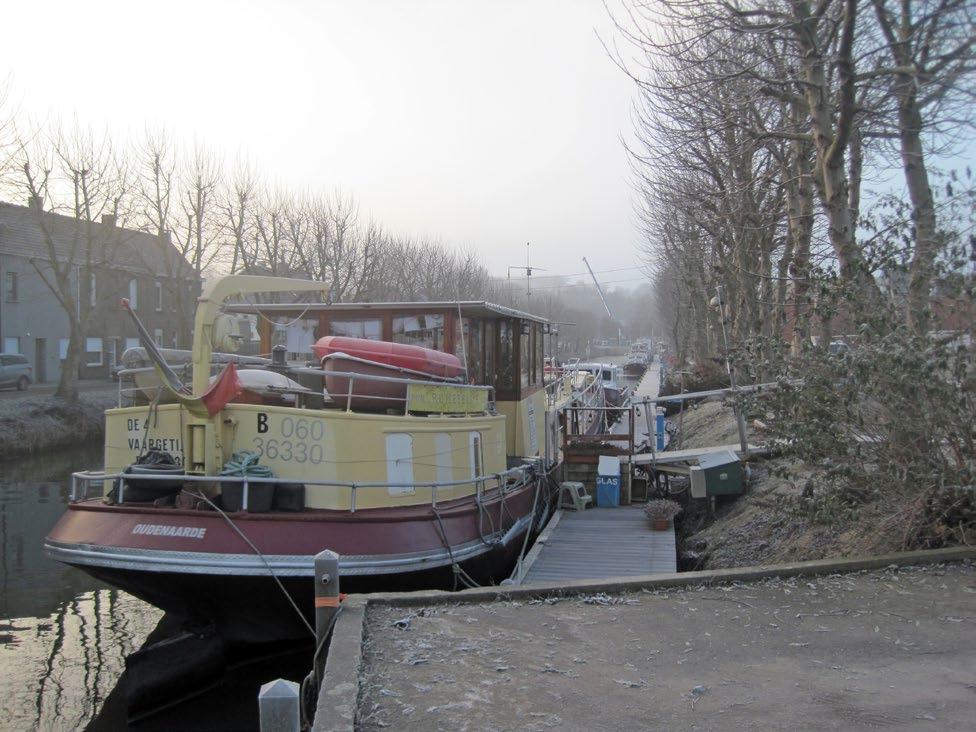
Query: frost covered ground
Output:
(863,650)
(33,423)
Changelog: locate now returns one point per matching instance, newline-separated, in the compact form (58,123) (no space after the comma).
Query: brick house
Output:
(108,262)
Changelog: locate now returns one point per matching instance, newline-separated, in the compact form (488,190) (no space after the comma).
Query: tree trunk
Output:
(68,383)
(831,124)
(923,206)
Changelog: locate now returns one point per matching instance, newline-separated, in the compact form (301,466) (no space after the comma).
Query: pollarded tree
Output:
(81,176)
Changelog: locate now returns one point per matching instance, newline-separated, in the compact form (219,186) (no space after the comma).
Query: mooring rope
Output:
(257,551)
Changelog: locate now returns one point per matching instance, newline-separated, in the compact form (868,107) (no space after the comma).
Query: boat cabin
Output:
(498,346)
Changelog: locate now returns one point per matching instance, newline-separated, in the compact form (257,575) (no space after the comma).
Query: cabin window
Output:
(426,330)
(399,464)
(489,371)
(369,329)
(470,348)
(525,354)
(506,357)
(607,375)
(540,341)
(297,336)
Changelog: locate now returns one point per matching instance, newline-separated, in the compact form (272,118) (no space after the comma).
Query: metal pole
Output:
(326,594)
(736,406)
(278,705)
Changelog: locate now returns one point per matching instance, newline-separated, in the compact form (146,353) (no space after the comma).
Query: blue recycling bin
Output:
(608,482)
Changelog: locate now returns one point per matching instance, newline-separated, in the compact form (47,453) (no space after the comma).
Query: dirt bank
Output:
(34,424)
(771,524)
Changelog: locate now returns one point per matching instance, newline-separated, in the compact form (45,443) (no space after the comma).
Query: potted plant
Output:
(661,512)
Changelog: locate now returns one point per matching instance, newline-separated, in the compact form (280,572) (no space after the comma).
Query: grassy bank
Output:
(34,424)
(778,521)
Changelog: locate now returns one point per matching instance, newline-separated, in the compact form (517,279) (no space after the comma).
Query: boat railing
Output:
(347,397)
(352,377)
(560,387)
(484,484)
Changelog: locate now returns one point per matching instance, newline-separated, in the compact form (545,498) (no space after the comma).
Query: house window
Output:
(159,297)
(11,287)
(92,291)
(131,343)
(158,337)
(133,294)
(63,348)
(93,351)
(11,345)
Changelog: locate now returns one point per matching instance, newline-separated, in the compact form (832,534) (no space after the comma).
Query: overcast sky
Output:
(487,125)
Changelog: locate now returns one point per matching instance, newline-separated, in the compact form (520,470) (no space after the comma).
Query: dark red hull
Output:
(195,565)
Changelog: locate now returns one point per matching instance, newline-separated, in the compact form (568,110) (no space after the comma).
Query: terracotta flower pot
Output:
(660,524)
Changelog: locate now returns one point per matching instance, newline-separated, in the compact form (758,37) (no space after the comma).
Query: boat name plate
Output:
(445,398)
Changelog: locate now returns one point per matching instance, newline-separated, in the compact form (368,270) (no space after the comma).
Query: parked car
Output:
(15,371)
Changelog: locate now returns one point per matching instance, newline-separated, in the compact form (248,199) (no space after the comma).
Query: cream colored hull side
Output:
(528,437)
(347,447)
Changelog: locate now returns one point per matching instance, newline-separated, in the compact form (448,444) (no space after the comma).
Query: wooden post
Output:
(278,706)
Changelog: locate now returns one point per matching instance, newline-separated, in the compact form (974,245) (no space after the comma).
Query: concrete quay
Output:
(830,644)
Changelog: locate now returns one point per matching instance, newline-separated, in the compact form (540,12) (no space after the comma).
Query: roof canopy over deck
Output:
(501,346)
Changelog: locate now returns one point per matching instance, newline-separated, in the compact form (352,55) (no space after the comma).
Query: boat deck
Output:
(600,543)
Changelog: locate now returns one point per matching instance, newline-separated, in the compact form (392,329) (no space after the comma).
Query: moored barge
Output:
(436,485)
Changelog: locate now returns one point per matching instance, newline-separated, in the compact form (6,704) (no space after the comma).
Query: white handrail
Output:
(84,477)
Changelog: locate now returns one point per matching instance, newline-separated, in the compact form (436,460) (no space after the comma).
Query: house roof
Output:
(474,308)
(113,246)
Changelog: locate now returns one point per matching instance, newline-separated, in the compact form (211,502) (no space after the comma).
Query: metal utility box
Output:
(717,474)
(608,481)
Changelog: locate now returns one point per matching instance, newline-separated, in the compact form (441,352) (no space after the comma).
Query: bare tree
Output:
(928,61)
(82,176)
(236,208)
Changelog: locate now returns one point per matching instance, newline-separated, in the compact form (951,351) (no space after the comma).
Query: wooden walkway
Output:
(600,543)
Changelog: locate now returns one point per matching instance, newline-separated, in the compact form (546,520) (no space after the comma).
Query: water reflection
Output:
(63,636)
(56,671)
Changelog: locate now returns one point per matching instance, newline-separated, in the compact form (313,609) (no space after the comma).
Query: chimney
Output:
(36,203)
(108,220)
(166,239)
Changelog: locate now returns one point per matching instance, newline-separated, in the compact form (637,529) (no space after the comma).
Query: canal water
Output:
(64,636)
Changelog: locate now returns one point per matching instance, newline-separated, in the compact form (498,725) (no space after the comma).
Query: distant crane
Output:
(604,298)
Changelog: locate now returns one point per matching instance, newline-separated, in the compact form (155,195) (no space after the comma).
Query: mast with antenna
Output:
(528,269)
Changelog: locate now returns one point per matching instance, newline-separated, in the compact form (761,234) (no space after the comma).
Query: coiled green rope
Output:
(245,463)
